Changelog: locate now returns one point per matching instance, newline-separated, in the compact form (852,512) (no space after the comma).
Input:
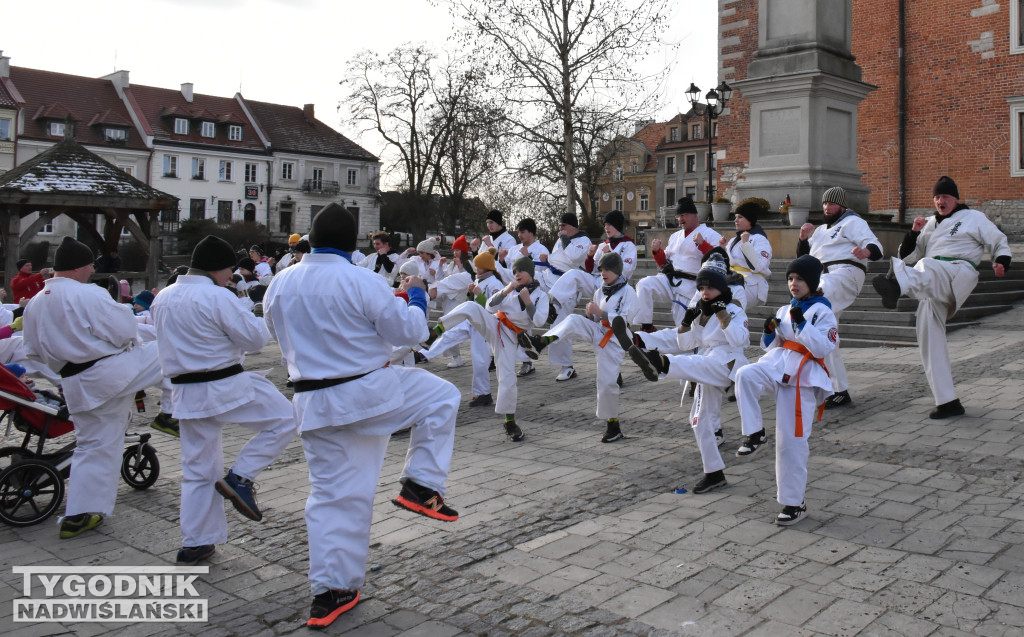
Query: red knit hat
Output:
(461,244)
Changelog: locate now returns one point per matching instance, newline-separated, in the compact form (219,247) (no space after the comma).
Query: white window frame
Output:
(673,134)
(180,126)
(199,168)
(352,177)
(695,131)
(1016,132)
(47,227)
(207,129)
(115,134)
(234,132)
(170,164)
(288,170)
(6,136)
(57,129)
(618,173)
(617,205)
(128,169)
(225,170)
(1016,28)
(645,203)
(251,173)
(317,179)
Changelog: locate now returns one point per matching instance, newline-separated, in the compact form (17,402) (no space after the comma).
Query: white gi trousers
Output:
(503,343)
(755,287)
(345,462)
(99,432)
(712,379)
(609,358)
(840,285)
(931,282)
(565,292)
(791,452)
(202,459)
(451,339)
(656,288)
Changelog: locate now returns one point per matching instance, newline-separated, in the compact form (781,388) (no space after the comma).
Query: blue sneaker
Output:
(241,493)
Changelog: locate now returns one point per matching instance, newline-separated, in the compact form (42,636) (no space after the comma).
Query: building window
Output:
(224,212)
(691,163)
(714,129)
(249,213)
(198,168)
(1017,26)
(250,173)
(207,129)
(47,227)
(196,208)
(115,135)
(287,170)
(673,134)
(618,202)
(711,161)
(57,128)
(691,191)
(128,169)
(180,126)
(644,203)
(5,129)
(235,133)
(1017,137)
(636,167)
(352,178)
(285,217)
(170,165)
(695,132)
(670,165)
(670,196)
(224,172)
(317,183)
(618,174)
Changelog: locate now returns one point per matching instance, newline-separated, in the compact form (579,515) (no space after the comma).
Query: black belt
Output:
(857,264)
(71,369)
(323,383)
(206,377)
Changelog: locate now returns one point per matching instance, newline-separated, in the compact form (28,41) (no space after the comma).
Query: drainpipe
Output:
(270,172)
(901,110)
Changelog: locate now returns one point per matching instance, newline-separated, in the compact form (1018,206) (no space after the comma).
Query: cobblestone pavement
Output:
(914,527)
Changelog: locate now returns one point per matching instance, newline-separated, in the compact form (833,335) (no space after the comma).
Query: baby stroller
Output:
(32,482)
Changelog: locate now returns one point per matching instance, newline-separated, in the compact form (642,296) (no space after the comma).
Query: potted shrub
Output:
(703,210)
(720,209)
(797,214)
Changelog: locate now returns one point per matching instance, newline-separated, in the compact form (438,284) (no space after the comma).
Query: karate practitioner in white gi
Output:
(568,254)
(615,299)
(497,237)
(450,288)
(382,260)
(77,330)
(844,244)
(204,336)
(946,250)
(750,254)
(528,246)
(679,263)
(796,340)
(348,402)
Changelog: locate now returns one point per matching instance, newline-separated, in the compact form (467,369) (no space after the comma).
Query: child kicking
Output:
(716,326)
(508,312)
(616,299)
(796,341)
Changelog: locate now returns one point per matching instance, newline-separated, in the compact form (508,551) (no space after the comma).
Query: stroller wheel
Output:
(30,491)
(140,470)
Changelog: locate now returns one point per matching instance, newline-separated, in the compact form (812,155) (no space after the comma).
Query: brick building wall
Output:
(737,41)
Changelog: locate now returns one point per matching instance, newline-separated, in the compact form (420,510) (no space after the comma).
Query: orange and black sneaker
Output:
(425,501)
(327,607)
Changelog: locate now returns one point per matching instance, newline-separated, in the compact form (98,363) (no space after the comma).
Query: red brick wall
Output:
(737,40)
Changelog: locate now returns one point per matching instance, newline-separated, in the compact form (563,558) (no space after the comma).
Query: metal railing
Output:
(320,186)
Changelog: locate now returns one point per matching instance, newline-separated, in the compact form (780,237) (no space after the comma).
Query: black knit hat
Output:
(685,206)
(333,227)
(571,219)
(750,210)
(714,273)
(610,261)
(213,254)
(945,186)
(527,224)
(615,219)
(246,264)
(21,263)
(302,246)
(495,216)
(71,255)
(809,270)
(257,249)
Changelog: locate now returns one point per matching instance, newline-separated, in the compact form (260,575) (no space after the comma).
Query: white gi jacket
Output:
(721,345)
(564,259)
(625,248)
(202,327)
(370,263)
(752,258)
(535,249)
(683,253)
(510,305)
(504,241)
(819,334)
(833,244)
(355,319)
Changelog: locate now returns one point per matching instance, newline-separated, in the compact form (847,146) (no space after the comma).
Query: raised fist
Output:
(770,325)
(656,245)
(691,314)
(806,231)
(919,223)
(796,315)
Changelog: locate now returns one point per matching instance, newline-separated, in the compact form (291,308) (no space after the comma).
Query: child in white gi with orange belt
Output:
(796,341)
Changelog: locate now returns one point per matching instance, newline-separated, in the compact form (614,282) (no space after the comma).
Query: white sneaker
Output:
(526,369)
(566,373)
(456,362)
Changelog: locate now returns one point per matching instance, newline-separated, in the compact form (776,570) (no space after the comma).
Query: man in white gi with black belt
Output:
(77,330)
(204,336)
(947,248)
(336,324)
(844,244)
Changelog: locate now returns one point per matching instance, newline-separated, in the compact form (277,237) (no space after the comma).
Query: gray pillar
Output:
(803,88)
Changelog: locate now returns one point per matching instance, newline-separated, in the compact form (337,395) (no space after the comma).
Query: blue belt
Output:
(554,270)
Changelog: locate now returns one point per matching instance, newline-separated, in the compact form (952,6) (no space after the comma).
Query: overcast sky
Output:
(283,51)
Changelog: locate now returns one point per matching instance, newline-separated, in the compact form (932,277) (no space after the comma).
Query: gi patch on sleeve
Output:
(764,253)
(833,335)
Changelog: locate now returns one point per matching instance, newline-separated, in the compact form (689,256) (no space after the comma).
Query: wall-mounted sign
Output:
(252,192)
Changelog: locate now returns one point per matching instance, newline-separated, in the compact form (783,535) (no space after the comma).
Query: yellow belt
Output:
(744,271)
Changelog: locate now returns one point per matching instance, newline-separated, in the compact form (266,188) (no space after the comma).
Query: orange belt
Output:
(503,319)
(607,335)
(800,349)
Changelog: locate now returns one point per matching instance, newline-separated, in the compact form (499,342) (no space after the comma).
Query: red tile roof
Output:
(160,106)
(650,136)
(53,96)
(6,98)
(289,130)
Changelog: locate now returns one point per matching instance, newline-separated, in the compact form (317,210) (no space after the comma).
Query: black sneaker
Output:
(710,481)
(947,410)
(532,345)
(420,359)
(512,430)
(612,433)
(425,501)
(790,515)
(651,363)
(74,525)
(839,399)
(167,424)
(621,332)
(327,607)
(191,555)
(888,289)
(618,380)
(241,493)
(491,367)
(481,400)
(752,443)
(552,313)
(719,438)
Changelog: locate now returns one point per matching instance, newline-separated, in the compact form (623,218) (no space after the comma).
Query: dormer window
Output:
(115,135)
(180,126)
(207,129)
(673,134)
(235,133)
(57,129)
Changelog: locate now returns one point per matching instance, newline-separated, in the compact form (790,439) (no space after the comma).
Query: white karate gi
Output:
(78,322)
(684,255)
(577,284)
(563,260)
(941,286)
(480,349)
(370,263)
(607,350)
(752,260)
(777,371)
(345,428)
(534,251)
(841,282)
(202,328)
(502,339)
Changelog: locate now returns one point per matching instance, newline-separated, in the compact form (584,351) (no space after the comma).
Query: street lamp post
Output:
(714,105)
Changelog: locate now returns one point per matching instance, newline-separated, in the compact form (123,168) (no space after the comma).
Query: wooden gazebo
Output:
(70,180)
